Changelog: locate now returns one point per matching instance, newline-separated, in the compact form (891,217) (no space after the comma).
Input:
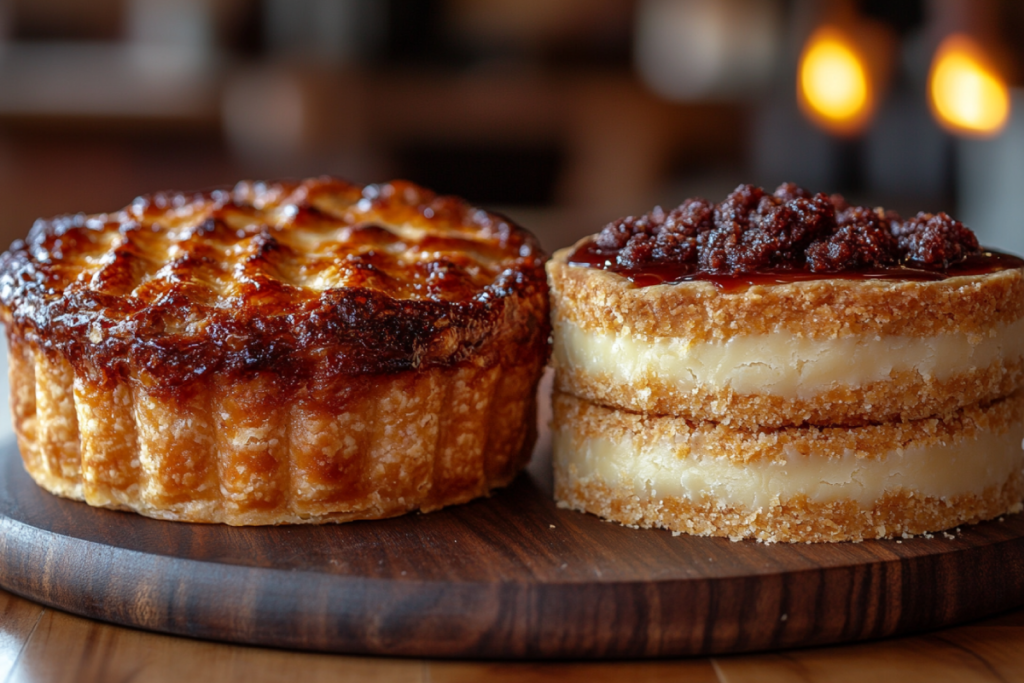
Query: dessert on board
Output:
(279,352)
(788,367)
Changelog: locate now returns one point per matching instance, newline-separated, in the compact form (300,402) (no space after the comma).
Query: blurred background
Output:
(563,114)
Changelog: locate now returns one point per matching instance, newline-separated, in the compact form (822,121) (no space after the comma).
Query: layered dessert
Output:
(733,369)
(286,352)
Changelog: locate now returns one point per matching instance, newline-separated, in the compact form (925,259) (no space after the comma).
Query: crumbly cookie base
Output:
(897,515)
(237,453)
(789,518)
(583,420)
(907,395)
(603,301)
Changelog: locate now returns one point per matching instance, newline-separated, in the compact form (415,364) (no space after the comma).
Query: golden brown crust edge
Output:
(415,440)
(602,301)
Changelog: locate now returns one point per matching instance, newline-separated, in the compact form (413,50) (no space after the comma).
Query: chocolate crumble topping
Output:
(790,229)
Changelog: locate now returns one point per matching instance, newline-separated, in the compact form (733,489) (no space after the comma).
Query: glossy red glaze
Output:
(590,255)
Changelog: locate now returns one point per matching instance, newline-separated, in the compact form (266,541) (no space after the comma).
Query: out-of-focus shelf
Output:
(118,80)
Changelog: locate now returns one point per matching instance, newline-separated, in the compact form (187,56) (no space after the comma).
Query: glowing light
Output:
(967,94)
(834,87)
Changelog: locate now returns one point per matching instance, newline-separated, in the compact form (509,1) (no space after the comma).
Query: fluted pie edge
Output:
(239,453)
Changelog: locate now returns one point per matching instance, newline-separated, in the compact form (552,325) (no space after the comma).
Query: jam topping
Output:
(753,237)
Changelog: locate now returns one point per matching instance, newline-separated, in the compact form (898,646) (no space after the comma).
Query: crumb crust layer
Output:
(788,518)
(604,301)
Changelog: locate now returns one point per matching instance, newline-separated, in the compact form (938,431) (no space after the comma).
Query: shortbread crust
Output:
(897,516)
(794,484)
(605,301)
(777,379)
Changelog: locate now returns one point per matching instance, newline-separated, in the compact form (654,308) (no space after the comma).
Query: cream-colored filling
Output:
(781,363)
(661,470)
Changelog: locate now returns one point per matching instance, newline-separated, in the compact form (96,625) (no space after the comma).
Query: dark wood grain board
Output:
(508,577)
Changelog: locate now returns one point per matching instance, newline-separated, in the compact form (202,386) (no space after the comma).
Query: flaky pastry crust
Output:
(276,353)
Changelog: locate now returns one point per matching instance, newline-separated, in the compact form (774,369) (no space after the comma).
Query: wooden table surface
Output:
(42,644)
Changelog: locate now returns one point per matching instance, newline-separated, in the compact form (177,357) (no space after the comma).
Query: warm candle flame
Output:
(967,94)
(834,87)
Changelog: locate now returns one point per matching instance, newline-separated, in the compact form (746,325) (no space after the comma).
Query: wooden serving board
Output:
(512,576)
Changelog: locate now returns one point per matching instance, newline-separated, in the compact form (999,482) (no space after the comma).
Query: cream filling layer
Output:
(781,363)
(661,470)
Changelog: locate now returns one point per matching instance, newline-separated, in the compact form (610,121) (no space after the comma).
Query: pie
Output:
(288,352)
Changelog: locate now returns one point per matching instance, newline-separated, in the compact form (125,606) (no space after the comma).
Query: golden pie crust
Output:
(287,352)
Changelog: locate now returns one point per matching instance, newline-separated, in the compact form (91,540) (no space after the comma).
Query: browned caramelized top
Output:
(790,232)
(299,277)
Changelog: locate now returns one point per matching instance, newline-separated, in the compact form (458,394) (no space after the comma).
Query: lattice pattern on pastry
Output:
(296,239)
